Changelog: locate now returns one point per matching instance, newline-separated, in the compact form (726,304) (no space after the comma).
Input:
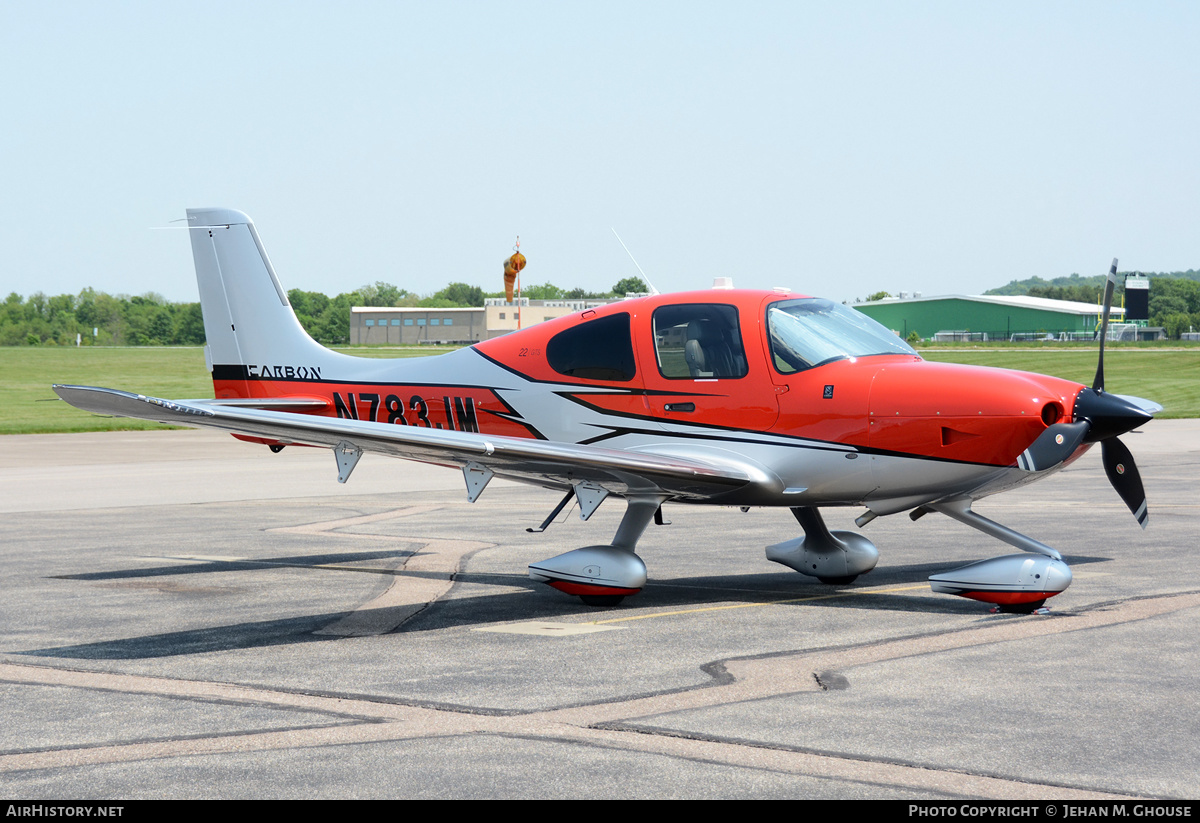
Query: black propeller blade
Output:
(1053,446)
(1123,474)
(1110,285)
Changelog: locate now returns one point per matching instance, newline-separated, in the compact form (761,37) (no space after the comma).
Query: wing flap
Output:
(542,462)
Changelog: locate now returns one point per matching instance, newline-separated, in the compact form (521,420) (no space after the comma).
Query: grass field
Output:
(27,404)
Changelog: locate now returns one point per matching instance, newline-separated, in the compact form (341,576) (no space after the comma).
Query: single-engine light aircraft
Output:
(727,397)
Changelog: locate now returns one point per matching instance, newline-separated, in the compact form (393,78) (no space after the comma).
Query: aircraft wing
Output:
(541,462)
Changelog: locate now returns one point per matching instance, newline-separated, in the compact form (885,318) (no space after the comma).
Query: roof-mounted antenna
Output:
(645,279)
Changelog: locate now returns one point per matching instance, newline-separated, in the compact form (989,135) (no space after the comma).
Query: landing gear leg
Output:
(835,558)
(604,575)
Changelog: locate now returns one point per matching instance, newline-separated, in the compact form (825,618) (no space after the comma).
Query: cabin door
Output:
(700,369)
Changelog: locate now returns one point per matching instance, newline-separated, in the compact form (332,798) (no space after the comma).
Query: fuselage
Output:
(837,409)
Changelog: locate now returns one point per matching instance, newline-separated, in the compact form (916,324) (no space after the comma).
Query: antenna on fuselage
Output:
(645,279)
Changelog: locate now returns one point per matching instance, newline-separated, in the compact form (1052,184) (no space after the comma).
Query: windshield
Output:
(814,331)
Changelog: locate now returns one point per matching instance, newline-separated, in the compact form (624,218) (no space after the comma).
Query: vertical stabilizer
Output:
(249,323)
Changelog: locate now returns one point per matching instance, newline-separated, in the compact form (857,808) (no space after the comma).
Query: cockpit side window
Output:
(597,350)
(699,340)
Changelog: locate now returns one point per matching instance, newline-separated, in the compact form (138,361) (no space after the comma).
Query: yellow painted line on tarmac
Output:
(848,593)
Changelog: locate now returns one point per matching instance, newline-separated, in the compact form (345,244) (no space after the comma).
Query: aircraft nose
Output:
(1107,414)
(969,414)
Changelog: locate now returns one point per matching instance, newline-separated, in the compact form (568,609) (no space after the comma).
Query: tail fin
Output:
(251,329)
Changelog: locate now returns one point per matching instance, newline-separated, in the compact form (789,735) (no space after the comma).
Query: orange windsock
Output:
(512,267)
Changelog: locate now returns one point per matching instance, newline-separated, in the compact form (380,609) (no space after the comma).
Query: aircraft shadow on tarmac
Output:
(458,611)
(248,564)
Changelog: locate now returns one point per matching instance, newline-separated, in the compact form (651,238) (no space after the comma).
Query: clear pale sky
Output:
(836,148)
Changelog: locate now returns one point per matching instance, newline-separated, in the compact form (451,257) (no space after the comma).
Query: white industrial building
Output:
(410,326)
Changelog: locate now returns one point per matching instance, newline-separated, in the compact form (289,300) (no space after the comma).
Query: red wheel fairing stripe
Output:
(1007,598)
(585,588)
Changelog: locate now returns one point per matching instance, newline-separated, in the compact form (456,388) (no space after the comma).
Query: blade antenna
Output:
(1109,286)
(645,279)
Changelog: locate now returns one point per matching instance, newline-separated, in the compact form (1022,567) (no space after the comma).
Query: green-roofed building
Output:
(987,317)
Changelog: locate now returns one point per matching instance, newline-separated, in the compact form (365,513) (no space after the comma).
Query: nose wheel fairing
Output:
(1013,580)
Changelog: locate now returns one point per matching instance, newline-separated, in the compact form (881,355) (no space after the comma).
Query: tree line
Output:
(99,319)
(102,319)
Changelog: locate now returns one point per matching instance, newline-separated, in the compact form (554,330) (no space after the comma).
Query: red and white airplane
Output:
(734,398)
